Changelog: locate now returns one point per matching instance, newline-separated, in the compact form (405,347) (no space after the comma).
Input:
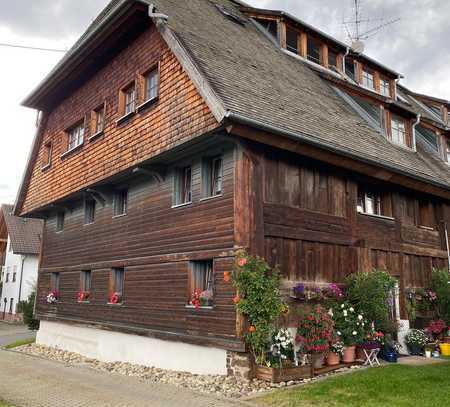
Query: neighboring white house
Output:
(20,241)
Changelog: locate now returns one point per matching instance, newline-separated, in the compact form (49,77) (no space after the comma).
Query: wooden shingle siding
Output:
(154,243)
(179,115)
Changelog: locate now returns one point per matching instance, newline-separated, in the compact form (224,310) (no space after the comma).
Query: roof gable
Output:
(25,234)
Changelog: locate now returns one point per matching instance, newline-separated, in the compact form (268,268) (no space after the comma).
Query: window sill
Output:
(208,198)
(426,228)
(125,118)
(147,104)
(88,224)
(84,302)
(46,167)
(206,307)
(181,205)
(95,136)
(370,215)
(120,216)
(120,304)
(73,150)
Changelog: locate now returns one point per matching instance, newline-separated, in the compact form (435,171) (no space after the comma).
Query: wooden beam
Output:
(158,173)
(98,196)
(337,160)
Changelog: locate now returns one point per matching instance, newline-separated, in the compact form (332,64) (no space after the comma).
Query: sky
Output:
(416,46)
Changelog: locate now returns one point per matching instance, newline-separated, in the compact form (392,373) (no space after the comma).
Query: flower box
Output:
(285,374)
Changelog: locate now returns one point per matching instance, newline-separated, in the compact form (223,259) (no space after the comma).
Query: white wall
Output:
(108,346)
(13,263)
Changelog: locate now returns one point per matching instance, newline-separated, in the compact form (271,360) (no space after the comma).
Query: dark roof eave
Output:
(34,99)
(306,139)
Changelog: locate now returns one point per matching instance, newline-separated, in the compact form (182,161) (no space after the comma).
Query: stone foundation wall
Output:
(240,365)
(12,317)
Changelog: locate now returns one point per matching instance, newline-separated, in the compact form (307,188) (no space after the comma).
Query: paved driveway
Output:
(27,381)
(10,333)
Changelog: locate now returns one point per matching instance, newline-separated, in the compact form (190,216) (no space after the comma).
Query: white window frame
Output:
(152,82)
(75,137)
(385,87)
(398,131)
(371,204)
(368,79)
(129,95)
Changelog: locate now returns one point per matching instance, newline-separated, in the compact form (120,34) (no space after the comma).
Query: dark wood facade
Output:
(291,202)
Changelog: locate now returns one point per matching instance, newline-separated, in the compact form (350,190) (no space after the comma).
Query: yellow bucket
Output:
(445,349)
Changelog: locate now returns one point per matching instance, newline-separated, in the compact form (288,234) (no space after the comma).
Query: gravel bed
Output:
(218,385)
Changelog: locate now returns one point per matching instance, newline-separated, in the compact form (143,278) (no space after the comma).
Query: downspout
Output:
(21,279)
(343,60)
(419,116)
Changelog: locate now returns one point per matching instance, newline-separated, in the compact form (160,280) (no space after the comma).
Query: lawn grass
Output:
(393,385)
(21,342)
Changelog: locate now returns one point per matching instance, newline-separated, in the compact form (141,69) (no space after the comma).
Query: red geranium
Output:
(195,299)
(242,262)
(83,296)
(115,298)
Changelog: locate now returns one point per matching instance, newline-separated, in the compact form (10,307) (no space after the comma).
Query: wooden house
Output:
(173,133)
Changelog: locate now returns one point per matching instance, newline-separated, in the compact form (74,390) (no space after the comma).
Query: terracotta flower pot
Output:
(318,360)
(333,359)
(349,354)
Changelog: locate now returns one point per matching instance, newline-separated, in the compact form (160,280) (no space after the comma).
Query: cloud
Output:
(416,46)
(4,187)
(49,18)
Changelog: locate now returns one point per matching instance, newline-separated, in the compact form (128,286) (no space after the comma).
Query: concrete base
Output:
(108,346)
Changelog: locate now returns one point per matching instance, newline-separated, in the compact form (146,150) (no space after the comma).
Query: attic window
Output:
(447,150)
(435,109)
(270,26)
(368,79)
(429,136)
(47,155)
(291,40)
(398,131)
(231,14)
(313,50)
(333,60)
(385,87)
(350,68)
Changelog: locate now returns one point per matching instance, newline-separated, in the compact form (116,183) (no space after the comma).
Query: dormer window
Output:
(291,40)
(368,79)
(385,87)
(313,53)
(398,131)
(333,60)
(447,144)
(350,68)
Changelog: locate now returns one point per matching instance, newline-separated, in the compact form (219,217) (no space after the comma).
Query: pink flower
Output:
(242,262)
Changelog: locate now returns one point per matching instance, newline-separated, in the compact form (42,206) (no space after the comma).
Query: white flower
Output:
(343,306)
(360,317)
(351,309)
(339,333)
(345,313)
(330,313)
(354,333)
(357,323)
(362,323)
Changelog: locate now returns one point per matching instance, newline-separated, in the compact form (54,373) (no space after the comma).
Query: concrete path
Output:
(420,361)
(26,381)
(10,333)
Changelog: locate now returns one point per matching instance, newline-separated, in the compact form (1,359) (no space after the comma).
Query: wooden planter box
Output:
(277,375)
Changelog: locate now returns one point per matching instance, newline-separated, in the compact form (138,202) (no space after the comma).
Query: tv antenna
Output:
(360,29)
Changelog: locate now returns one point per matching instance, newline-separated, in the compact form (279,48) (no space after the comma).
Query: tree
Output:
(27,309)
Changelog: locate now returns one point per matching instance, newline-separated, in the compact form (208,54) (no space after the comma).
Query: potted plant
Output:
(350,327)
(314,334)
(281,349)
(83,296)
(390,349)
(436,328)
(429,349)
(52,297)
(335,353)
(415,340)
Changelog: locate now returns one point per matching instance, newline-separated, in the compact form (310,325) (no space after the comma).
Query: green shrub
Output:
(27,309)
(259,300)
(370,294)
(440,285)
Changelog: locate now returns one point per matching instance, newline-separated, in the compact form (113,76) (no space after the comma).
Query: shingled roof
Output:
(254,82)
(25,234)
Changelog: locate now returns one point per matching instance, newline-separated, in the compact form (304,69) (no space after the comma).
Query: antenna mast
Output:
(354,28)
